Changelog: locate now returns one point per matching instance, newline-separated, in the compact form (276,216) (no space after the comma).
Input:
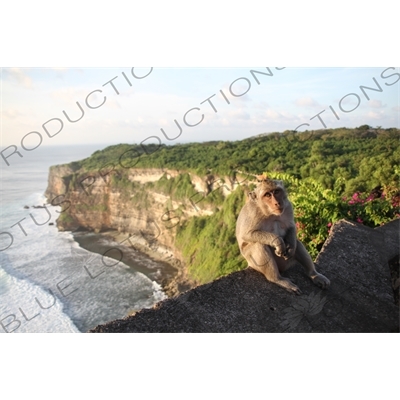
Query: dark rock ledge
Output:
(361,297)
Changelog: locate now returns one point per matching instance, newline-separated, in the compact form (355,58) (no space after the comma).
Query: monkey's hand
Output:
(280,248)
(290,251)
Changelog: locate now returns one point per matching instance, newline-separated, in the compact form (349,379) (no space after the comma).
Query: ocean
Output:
(48,283)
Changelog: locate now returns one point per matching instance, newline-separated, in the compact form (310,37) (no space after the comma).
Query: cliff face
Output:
(130,204)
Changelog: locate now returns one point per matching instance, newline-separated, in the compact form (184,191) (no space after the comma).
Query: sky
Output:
(180,105)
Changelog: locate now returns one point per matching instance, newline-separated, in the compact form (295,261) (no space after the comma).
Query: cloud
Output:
(10,113)
(307,102)
(375,104)
(272,114)
(69,94)
(18,75)
(225,122)
(112,103)
(238,114)
(260,105)
(375,115)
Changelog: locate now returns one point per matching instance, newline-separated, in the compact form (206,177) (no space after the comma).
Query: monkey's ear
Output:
(252,196)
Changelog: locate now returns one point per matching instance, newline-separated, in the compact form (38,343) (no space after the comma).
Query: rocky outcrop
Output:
(361,297)
(90,202)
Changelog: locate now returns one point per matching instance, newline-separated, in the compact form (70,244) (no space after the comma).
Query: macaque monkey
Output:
(266,233)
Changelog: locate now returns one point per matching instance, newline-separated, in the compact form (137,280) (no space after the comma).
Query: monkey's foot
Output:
(320,280)
(288,285)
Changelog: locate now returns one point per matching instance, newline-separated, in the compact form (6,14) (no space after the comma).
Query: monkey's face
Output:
(272,198)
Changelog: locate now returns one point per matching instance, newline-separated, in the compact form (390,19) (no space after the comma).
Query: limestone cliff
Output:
(130,203)
(90,201)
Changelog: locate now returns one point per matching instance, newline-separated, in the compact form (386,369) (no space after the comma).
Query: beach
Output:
(157,263)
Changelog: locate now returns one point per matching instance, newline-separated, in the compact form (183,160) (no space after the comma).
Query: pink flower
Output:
(329,225)
(359,220)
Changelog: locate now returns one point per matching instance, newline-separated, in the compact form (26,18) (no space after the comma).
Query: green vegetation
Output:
(364,157)
(329,174)
(316,208)
(177,188)
(82,207)
(65,218)
(209,244)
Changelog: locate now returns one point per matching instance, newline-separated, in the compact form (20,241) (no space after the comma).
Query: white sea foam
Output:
(25,307)
(90,288)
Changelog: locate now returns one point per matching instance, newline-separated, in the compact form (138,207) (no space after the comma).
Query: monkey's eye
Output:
(272,192)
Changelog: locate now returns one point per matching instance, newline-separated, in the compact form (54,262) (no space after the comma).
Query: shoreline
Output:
(157,264)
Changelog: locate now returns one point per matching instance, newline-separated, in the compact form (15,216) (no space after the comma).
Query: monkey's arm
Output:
(268,238)
(252,227)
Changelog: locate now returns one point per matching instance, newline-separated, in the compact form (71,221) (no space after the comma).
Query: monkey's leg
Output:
(261,258)
(306,261)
